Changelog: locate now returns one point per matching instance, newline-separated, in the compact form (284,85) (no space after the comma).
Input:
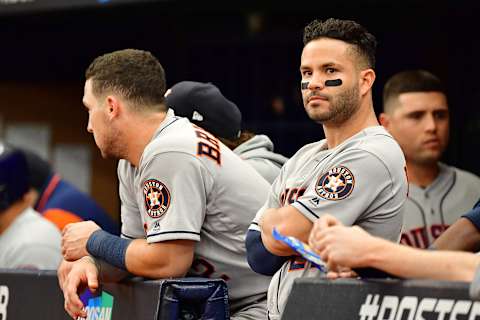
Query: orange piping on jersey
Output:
(48,192)
(61,217)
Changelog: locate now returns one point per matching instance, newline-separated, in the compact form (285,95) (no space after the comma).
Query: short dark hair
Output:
(345,30)
(409,81)
(135,74)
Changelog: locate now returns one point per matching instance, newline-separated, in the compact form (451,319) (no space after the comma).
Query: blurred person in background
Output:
(61,202)
(416,114)
(204,105)
(27,241)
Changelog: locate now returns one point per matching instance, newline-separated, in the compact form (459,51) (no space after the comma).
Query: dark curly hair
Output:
(347,31)
(135,74)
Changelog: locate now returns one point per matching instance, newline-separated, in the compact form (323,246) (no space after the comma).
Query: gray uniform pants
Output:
(251,308)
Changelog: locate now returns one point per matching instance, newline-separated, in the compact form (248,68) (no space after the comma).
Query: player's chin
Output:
(431,155)
(318,115)
(105,153)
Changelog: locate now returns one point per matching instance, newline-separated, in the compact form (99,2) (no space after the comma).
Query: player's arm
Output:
(259,258)
(409,262)
(151,260)
(354,248)
(463,235)
(160,260)
(288,221)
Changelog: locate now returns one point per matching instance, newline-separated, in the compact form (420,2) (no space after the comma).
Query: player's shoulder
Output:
(464,177)
(377,139)
(308,150)
(177,137)
(380,144)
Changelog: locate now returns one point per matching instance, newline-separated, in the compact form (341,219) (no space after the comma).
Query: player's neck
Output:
(8,216)
(338,133)
(140,133)
(422,175)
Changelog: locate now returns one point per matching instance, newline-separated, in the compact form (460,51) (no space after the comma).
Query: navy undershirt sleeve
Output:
(474,215)
(259,258)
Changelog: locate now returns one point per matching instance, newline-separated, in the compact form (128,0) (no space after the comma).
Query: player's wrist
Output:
(110,248)
(374,254)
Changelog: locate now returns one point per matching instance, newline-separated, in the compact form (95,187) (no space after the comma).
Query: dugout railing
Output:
(36,295)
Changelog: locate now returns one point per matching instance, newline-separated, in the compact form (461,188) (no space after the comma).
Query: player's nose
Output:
(316,83)
(430,123)
(89,125)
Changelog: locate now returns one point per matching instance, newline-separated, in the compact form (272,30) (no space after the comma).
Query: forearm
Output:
(109,273)
(159,260)
(409,262)
(272,218)
(156,260)
(462,235)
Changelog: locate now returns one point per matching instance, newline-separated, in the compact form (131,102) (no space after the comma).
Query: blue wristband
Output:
(110,248)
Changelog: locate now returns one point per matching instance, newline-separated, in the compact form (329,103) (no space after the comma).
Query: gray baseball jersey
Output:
(188,185)
(362,181)
(429,211)
(30,242)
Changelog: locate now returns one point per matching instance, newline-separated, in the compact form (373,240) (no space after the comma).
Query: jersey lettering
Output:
(437,230)
(207,137)
(298,263)
(406,176)
(418,237)
(290,195)
(3,302)
(208,145)
(203,268)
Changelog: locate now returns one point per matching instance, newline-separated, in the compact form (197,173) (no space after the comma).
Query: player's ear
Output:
(367,78)
(113,107)
(384,120)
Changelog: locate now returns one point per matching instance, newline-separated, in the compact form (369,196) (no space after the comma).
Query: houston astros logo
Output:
(336,184)
(157,198)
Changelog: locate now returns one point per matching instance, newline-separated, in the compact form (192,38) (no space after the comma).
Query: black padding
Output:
(194,298)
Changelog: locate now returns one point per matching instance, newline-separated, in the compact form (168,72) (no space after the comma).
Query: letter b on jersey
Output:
(3,302)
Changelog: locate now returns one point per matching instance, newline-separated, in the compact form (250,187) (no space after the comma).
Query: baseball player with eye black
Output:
(186,199)
(356,174)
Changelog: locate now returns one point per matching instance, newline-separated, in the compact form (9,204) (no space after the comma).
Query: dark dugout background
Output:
(251,51)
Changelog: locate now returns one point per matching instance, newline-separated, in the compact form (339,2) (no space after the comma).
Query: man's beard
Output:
(342,107)
(112,148)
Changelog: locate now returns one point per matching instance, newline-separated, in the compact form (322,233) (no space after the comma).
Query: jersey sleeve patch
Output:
(157,198)
(336,184)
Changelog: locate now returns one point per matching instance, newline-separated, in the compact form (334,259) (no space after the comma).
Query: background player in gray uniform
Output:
(27,240)
(186,199)
(205,105)
(416,114)
(356,173)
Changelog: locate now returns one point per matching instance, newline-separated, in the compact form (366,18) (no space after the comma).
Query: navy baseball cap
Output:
(13,176)
(205,105)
